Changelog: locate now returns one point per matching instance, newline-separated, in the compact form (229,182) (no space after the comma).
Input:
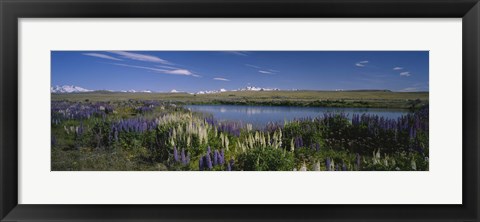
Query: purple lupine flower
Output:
(344,167)
(317,147)
(229,168)
(208,161)
(221,157)
(183,158)
(231,164)
(298,141)
(215,157)
(175,153)
(80,129)
(200,163)
(413,133)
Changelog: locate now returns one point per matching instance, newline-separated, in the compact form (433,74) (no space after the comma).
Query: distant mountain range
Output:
(68,89)
(248,88)
(78,89)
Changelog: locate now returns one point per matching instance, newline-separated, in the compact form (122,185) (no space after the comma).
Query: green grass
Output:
(374,99)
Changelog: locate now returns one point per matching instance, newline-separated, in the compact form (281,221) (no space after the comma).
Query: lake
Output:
(259,116)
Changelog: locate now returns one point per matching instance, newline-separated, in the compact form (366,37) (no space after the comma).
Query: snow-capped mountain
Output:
(248,88)
(134,91)
(210,91)
(253,88)
(78,89)
(68,89)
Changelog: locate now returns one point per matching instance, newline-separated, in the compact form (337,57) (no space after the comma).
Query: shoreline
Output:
(343,99)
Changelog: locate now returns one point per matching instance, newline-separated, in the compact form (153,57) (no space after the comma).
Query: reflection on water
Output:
(259,116)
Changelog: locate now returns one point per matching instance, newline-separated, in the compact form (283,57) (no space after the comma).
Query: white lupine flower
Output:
(249,127)
(292,146)
(226,143)
(268,139)
(304,167)
(316,167)
(414,165)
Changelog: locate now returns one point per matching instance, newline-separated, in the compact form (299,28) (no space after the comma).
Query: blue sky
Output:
(192,71)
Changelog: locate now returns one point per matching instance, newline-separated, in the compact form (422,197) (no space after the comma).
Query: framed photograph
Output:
(225,110)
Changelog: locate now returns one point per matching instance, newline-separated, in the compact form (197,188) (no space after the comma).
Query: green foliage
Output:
(96,147)
(267,159)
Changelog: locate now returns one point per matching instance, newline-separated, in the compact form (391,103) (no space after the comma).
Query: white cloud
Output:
(410,89)
(103,56)
(397,68)
(361,63)
(167,67)
(181,72)
(264,72)
(405,74)
(221,79)
(184,72)
(273,70)
(141,57)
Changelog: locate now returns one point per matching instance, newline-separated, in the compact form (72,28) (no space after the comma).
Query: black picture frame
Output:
(12,10)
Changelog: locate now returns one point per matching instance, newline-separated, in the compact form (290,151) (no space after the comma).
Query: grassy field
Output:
(151,135)
(377,99)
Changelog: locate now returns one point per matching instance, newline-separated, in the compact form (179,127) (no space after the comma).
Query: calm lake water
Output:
(259,116)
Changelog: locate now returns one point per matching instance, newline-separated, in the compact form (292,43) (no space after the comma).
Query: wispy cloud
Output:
(361,63)
(103,56)
(221,79)
(238,53)
(167,67)
(397,68)
(410,89)
(181,72)
(264,72)
(184,72)
(405,74)
(141,57)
